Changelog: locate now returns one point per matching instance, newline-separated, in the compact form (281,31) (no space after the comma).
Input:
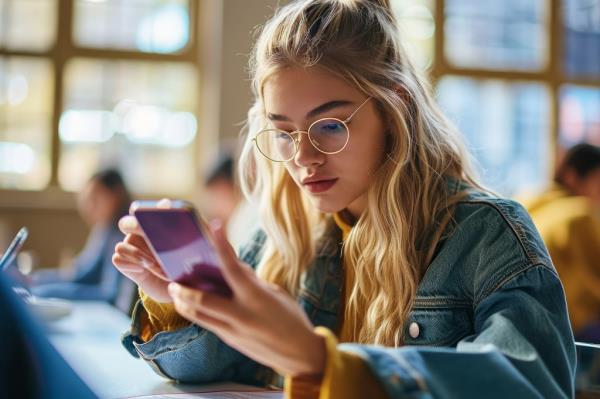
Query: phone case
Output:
(180,243)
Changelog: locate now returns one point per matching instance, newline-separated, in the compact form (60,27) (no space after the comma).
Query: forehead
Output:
(294,87)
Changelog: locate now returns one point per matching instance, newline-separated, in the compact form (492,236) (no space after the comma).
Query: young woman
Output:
(375,235)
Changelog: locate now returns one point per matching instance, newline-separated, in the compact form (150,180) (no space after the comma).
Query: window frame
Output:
(552,76)
(59,54)
(64,49)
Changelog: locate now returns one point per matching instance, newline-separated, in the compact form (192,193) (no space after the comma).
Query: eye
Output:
(329,127)
(283,136)
(332,126)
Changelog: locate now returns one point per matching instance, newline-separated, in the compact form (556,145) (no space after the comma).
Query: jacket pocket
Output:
(439,322)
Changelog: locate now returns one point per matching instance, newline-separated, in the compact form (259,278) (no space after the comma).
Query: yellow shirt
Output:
(570,229)
(346,375)
(158,317)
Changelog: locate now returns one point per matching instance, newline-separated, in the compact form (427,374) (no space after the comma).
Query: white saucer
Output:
(49,309)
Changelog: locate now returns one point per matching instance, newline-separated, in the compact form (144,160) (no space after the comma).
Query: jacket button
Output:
(413,330)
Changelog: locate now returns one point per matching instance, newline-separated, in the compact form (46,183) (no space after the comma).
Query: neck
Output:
(348,217)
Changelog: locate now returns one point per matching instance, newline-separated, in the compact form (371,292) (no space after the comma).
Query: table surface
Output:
(90,341)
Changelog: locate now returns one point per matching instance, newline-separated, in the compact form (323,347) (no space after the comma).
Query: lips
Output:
(320,185)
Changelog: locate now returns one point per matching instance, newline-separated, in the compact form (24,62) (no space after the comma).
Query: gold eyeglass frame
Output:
(296,139)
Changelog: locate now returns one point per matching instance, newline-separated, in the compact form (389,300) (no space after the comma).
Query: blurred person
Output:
(223,200)
(101,203)
(222,195)
(567,216)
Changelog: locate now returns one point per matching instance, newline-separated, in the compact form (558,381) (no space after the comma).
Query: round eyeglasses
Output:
(328,135)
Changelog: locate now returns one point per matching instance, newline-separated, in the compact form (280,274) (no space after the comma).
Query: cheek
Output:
(365,156)
(293,171)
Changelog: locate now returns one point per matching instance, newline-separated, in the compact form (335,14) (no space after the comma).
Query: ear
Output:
(571,180)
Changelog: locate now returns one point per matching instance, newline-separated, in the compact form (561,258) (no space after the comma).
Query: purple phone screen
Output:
(186,255)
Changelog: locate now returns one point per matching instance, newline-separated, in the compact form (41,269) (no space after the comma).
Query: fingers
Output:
(154,268)
(164,203)
(142,250)
(233,270)
(140,242)
(127,249)
(213,305)
(141,257)
(127,267)
(129,225)
(196,316)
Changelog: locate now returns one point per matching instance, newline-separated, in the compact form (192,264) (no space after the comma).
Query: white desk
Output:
(90,341)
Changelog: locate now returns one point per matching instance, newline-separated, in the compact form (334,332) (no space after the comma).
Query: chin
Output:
(327,206)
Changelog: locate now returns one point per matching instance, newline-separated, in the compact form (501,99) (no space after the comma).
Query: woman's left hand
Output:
(260,320)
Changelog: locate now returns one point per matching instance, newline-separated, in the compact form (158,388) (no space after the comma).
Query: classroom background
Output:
(158,88)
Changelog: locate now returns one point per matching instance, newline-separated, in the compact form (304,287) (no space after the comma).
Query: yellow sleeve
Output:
(159,317)
(585,238)
(346,377)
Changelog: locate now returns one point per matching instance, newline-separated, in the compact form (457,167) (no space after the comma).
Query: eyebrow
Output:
(314,112)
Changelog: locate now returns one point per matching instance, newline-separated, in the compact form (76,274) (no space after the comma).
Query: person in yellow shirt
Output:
(382,268)
(568,218)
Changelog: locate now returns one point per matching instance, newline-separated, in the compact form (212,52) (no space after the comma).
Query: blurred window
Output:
(505,126)
(520,79)
(139,115)
(156,26)
(28,24)
(127,93)
(26,98)
(416,20)
(579,115)
(581,27)
(490,34)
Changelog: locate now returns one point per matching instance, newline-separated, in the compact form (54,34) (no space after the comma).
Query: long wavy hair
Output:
(409,204)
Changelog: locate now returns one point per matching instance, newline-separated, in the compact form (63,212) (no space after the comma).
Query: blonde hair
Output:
(409,203)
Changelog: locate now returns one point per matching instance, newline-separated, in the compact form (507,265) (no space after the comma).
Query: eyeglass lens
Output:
(326,135)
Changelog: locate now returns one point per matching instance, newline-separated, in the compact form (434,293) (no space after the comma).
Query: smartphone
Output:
(179,240)
(13,249)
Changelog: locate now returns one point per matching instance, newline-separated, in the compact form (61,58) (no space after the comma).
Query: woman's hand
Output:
(260,320)
(135,260)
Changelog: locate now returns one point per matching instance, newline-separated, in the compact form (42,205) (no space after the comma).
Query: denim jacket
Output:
(489,319)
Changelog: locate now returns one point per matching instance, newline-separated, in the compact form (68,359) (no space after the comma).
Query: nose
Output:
(307,155)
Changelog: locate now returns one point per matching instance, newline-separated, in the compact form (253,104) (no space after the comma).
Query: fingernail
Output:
(164,203)
(217,227)
(172,288)
(216,224)
(128,222)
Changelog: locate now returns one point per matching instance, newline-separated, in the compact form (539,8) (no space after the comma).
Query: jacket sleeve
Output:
(98,280)
(522,347)
(582,238)
(106,290)
(193,354)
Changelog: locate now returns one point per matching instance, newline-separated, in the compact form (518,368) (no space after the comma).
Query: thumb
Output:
(232,268)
